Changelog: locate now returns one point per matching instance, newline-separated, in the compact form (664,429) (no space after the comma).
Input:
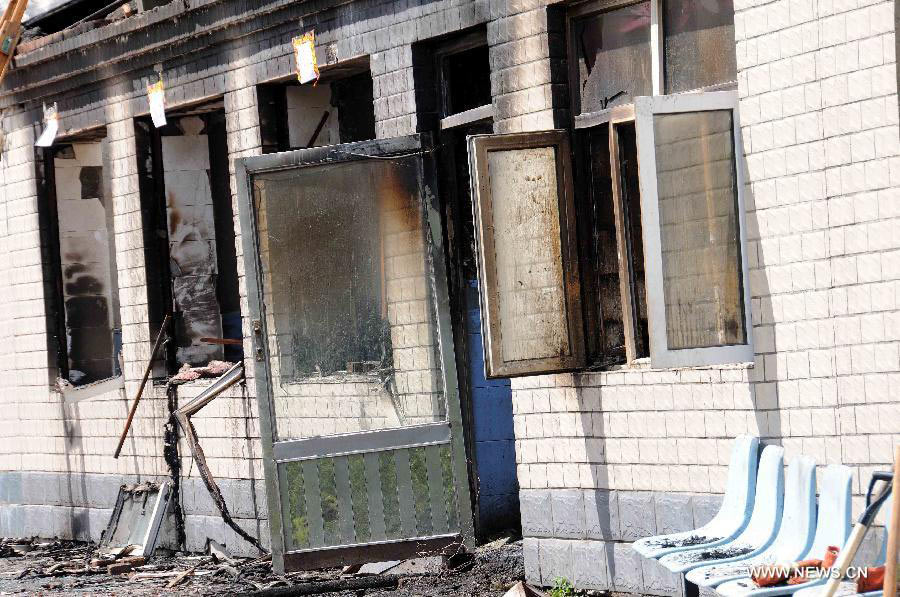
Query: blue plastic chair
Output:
(832,528)
(758,533)
(795,534)
(731,518)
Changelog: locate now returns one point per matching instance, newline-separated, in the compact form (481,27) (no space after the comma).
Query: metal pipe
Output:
(140,392)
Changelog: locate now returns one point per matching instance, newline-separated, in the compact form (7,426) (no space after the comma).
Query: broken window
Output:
(663,273)
(338,109)
(189,236)
(621,52)
(612,56)
(85,309)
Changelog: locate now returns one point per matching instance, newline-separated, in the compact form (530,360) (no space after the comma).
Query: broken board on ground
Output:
(136,519)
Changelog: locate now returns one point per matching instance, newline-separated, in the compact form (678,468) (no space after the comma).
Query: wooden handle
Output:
(890,572)
(140,392)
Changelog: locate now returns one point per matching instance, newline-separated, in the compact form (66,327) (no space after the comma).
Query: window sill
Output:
(72,394)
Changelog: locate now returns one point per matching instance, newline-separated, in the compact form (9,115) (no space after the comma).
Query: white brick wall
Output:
(819,113)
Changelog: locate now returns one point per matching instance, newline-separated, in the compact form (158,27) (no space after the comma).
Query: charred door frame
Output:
(52,260)
(382,148)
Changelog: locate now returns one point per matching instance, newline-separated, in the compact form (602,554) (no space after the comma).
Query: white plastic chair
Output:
(795,533)
(832,528)
(732,516)
(848,587)
(758,533)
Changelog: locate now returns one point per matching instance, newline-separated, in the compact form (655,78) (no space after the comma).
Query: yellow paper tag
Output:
(305,57)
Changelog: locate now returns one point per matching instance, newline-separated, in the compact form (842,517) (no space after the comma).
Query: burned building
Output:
(502,264)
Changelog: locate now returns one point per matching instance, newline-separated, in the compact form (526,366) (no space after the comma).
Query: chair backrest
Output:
(769,499)
(834,518)
(741,485)
(799,517)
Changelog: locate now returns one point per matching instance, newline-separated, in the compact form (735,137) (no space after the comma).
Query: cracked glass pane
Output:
(614,59)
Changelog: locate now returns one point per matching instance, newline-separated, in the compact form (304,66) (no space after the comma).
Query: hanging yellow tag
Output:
(305,57)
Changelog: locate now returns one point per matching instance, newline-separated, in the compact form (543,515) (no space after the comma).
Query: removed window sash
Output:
(137,518)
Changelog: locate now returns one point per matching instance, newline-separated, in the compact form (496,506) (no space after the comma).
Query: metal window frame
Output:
(274,452)
(661,356)
(479,146)
(657,48)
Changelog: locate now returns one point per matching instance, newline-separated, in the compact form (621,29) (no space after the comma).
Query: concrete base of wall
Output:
(585,535)
(78,506)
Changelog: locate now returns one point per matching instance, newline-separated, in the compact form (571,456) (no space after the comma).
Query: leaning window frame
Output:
(661,356)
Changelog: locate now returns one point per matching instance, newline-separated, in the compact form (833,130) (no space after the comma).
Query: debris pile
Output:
(62,568)
(212,369)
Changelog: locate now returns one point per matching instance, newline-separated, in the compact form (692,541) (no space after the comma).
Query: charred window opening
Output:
(453,75)
(77,222)
(466,80)
(339,109)
(189,245)
(614,286)
(614,58)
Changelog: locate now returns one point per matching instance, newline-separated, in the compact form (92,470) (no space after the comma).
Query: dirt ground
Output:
(64,568)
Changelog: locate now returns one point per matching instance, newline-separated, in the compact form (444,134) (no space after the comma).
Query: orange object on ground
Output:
(830,558)
(872,580)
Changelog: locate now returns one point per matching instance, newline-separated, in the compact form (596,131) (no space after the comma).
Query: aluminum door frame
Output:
(245,168)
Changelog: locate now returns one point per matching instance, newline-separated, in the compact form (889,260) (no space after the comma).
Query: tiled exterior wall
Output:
(819,113)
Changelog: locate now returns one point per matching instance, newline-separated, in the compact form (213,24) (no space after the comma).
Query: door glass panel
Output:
(701,260)
(349,312)
(614,60)
(699,44)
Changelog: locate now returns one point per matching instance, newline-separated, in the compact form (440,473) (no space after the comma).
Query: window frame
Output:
(657,52)
(661,356)
(479,146)
(612,117)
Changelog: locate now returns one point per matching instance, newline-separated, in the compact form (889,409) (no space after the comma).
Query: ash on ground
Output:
(67,568)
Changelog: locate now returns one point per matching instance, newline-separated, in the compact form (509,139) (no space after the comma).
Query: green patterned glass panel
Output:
(328,491)
(388,469)
(419,474)
(296,523)
(449,488)
(359,498)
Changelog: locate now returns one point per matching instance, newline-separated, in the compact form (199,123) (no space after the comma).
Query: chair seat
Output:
(731,517)
(759,532)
